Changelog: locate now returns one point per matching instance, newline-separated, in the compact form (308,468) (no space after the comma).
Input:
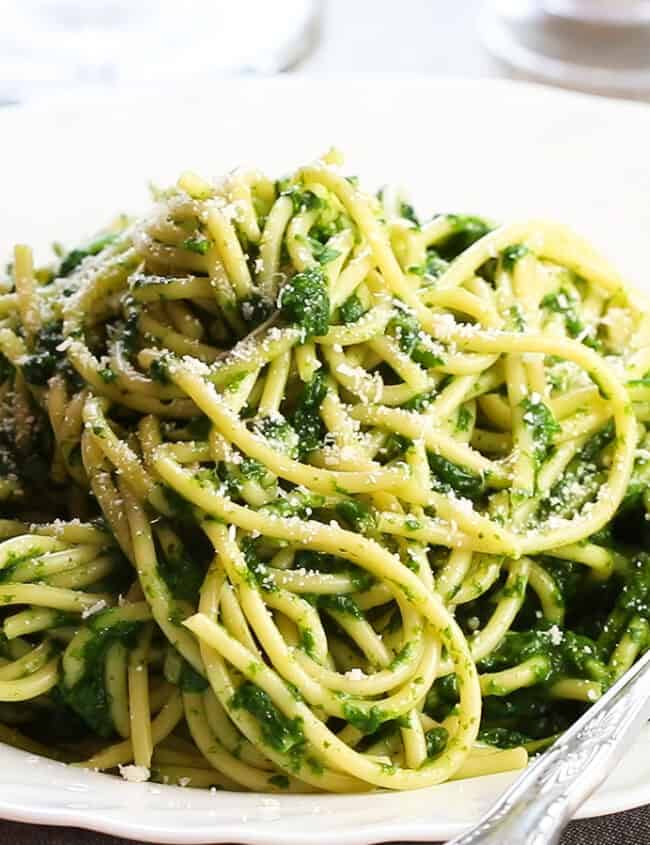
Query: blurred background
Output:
(57,48)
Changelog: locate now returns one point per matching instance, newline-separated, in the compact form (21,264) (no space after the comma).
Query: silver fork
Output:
(543,799)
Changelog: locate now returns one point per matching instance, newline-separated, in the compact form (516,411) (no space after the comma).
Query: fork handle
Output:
(539,804)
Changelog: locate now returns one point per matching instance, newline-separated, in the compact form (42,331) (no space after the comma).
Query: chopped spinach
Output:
(280,434)
(278,731)
(449,475)
(303,200)
(543,426)
(562,302)
(47,359)
(306,419)
(259,571)
(511,255)
(74,258)
(436,739)
(352,309)
(256,309)
(407,211)
(503,737)
(465,231)
(358,514)
(339,603)
(405,327)
(304,301)
(88,696)
(197,243)
(181,571)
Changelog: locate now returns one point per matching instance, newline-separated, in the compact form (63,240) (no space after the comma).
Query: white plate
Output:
(502,149)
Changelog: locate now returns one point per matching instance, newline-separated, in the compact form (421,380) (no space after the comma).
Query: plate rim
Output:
(98,98)
(257,833)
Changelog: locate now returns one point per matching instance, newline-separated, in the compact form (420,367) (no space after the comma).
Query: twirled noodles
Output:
(300,493)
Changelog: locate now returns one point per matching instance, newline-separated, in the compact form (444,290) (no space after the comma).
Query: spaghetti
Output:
(302,494)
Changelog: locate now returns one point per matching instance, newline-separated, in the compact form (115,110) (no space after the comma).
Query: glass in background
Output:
(50,46)
(602,46)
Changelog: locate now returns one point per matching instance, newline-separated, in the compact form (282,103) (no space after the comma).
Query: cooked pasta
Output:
(300,493)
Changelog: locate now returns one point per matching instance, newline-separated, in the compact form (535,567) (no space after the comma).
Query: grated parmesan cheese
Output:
(134,774)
